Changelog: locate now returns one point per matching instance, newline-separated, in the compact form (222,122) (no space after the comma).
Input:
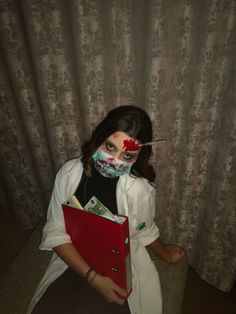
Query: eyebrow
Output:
(125,151)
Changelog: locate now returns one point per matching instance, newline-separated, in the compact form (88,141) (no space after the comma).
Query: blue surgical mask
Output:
(110,166)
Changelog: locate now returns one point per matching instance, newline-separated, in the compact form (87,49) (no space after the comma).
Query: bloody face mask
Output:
(110,166)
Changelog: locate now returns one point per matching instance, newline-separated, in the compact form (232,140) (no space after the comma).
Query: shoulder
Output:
(68,177)
(73,166)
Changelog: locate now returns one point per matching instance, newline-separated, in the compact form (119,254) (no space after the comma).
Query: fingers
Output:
(120,291)
(176,252)
(181,251)
(119,294)
(114,297)
(110,291)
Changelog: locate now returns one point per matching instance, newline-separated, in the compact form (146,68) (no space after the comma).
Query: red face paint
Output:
(116,135)
(131,145)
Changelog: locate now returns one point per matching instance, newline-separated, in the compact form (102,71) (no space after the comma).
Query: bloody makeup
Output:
(131,145)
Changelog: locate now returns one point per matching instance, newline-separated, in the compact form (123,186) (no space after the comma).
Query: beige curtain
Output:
(64,64)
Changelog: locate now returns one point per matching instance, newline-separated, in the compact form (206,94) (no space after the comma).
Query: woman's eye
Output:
(128,157)
(109,147)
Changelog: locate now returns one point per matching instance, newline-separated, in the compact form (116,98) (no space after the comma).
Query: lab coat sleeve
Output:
(145,205)
(54,233)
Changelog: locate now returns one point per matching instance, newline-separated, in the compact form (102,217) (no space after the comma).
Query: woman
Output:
(115,168)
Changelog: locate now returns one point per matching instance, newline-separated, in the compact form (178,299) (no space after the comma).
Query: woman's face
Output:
(119,145)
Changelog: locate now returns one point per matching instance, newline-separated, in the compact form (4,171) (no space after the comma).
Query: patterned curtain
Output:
(64,64)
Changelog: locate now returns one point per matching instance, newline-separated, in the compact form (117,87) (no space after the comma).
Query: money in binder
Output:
(103,243)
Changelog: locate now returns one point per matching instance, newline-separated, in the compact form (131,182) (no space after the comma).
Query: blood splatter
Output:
(131,145)
(107,163)
(111,159)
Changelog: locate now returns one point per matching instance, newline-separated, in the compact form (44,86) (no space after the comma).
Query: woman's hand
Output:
(173,253)
(104,285)
(168,253)
(108,289)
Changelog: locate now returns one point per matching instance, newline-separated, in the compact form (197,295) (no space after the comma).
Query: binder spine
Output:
(127,257)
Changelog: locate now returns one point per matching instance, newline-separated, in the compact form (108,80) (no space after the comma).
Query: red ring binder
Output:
(103,243)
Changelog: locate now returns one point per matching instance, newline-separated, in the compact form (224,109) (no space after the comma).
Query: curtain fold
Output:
(65,64)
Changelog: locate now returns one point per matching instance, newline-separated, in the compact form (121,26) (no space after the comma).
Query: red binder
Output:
(103,243)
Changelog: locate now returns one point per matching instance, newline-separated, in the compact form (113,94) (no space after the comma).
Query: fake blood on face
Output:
(131,145)
(107,162)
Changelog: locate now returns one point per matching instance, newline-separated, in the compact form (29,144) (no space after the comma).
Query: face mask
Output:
(109,166)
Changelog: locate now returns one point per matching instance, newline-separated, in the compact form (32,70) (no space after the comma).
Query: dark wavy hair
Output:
(133,121)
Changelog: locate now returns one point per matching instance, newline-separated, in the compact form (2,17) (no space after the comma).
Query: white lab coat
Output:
(135,199)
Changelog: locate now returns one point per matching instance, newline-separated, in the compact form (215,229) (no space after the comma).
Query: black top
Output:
(97,185)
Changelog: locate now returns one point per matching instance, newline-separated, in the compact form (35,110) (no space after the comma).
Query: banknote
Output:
(96,207)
